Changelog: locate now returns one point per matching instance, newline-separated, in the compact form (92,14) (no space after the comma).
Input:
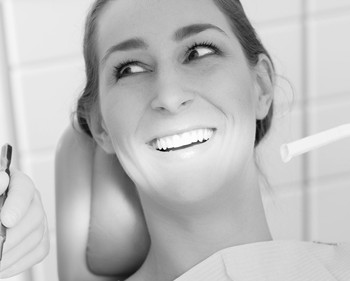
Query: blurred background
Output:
(42,73)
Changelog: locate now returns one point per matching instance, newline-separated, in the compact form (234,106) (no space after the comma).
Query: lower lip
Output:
(188,152)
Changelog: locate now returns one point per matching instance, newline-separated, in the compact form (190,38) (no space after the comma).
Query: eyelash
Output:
(120,66)
(207,44)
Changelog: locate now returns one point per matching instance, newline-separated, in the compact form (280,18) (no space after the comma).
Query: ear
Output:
(100,133)
(264,86)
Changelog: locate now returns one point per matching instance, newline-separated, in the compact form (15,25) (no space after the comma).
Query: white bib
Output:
(275,261)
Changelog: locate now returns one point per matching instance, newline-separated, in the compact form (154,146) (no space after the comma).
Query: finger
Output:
(4,181)
(30,222)
(29,260)
(29,244)
(20,195)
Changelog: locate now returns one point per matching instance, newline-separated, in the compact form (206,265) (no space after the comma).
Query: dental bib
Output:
(275,261)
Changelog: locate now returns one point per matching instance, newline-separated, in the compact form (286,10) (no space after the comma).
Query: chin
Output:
(193,181)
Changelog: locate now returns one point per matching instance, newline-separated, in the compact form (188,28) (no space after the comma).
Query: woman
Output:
(181,92)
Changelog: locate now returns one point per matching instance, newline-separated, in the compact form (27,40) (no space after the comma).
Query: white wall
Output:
(41,73)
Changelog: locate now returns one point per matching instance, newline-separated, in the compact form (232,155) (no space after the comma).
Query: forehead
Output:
(123,19)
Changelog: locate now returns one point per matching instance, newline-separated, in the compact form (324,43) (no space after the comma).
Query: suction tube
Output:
(290,150)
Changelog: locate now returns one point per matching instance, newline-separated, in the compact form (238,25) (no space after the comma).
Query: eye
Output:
(200,50)
(128,68)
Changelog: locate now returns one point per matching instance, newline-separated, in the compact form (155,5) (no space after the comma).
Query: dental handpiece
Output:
(5,161)
(298,147)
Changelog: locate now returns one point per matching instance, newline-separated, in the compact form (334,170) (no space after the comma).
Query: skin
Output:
(205,198)
(27,239)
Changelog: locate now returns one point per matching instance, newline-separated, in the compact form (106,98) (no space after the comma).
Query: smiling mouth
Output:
(183,140)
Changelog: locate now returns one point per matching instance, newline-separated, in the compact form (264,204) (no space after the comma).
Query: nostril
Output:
(172,103)
(186,102)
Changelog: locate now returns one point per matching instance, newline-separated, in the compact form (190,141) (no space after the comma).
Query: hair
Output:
(88,103)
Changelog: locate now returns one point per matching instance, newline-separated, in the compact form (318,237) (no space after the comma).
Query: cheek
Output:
(121,114)
(231,89)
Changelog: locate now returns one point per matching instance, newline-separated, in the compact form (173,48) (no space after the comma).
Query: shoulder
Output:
(73,166)
(73,163)
(74,157)
(73,141)
(333,256)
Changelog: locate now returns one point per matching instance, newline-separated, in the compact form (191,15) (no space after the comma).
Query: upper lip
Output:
(177,132)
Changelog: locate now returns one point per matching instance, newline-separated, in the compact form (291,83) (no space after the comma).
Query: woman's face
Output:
(172,73)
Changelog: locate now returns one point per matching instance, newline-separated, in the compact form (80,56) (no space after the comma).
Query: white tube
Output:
(290,150)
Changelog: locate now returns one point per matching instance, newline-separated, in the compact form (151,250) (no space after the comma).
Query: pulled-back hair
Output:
(232,9)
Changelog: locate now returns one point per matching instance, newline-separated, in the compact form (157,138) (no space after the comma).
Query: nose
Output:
(171,95)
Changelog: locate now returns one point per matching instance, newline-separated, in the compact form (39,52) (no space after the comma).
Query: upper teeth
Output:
(183,139)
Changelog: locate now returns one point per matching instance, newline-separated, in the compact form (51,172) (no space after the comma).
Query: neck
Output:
(182,239)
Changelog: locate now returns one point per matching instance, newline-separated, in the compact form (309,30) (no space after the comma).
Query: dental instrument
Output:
(6,155)
(298,147)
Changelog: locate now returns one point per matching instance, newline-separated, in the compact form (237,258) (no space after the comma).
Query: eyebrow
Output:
(181,34)
(130,44)
(193,29)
